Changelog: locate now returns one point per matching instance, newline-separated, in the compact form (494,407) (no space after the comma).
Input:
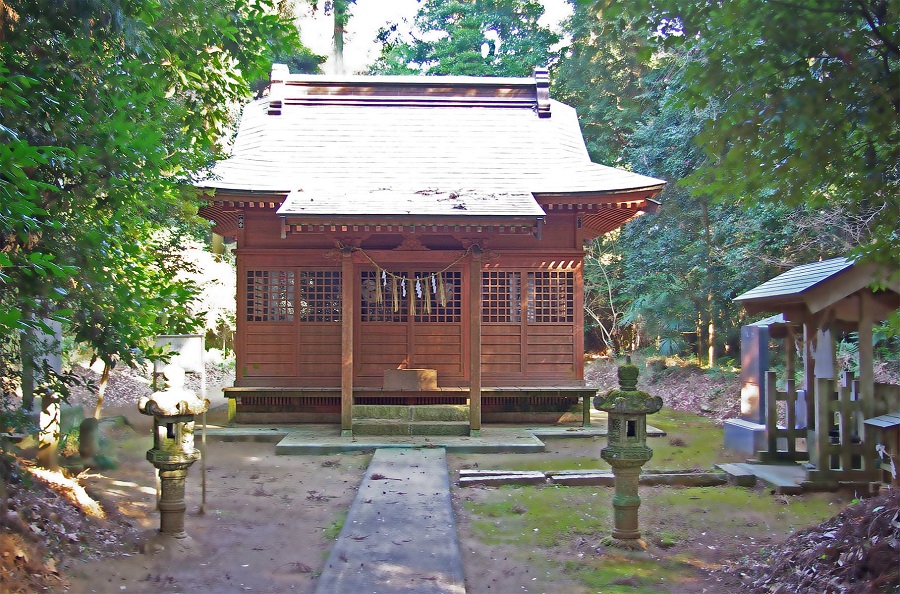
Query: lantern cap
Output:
(628,399)
(173,403)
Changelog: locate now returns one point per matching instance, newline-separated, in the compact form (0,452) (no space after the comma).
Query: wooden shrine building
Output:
(411,240)
(839,419)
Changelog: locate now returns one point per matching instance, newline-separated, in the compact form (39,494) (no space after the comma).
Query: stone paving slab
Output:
(739,474)
(500,479)
(786,479)
(400,534)
(326,439)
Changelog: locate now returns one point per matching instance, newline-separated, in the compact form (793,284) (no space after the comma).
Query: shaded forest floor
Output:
(51,538)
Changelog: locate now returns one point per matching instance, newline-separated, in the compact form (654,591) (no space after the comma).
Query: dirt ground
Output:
(264,528)
(269,522)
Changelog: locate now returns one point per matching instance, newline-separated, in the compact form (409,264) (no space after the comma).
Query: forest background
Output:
(775,124)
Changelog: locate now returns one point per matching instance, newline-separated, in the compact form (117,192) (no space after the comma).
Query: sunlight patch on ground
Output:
(70,489)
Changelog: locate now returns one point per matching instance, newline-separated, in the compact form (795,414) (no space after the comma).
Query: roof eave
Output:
(409,219)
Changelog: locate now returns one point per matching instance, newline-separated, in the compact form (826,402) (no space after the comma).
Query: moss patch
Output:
(689,530)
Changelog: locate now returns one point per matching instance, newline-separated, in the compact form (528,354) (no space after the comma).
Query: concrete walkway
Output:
(400,535)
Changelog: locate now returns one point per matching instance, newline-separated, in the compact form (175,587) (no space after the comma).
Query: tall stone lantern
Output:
(627,450)
(173,411)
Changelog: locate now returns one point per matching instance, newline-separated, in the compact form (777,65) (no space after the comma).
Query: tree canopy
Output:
(108,109)
(804,101)
(469,37)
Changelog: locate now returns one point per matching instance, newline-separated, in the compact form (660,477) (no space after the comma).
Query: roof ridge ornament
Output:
(276,88)
(542,90)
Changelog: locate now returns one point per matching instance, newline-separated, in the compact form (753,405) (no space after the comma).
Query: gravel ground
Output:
(127,386)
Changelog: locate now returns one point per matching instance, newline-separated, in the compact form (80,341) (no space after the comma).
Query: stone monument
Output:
(627,450)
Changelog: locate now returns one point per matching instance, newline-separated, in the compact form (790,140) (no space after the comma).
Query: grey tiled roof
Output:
(495,151)
(798,280)
(427,202)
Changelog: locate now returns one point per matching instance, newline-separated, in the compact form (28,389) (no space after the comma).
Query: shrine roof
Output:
(502,136)
(390,202)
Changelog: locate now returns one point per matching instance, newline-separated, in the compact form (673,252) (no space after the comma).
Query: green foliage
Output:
(469,37)
(671,277)
(603,75)
(108,110)
(807,117)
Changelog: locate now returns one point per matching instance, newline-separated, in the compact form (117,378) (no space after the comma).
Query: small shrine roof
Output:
(797,280)
(834,284)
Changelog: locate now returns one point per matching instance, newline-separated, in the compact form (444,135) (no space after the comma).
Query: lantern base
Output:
(634,545)
(158,544)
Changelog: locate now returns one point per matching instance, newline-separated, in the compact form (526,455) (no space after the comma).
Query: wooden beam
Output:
(475,307)
(347,317)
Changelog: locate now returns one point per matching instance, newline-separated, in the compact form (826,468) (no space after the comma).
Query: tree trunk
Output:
(709,314)
(101,389)
(340,13)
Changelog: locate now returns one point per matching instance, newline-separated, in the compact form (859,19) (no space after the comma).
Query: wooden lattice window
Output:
(551,297)
(501,294)
(379,304)
(270,295)
(430,307)
(319,296)
(385,308)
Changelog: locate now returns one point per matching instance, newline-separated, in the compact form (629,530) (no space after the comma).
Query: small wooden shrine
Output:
(831,420)
(412,240)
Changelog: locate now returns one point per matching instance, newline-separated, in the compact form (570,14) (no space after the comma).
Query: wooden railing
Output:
(837,444)
(781,440)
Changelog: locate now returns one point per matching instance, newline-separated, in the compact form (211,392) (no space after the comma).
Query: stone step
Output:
(403,427)
(425,412)
(499,478)
(784,479)
(738,474)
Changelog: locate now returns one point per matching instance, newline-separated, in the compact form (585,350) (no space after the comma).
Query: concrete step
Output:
(425,412)
(404,427)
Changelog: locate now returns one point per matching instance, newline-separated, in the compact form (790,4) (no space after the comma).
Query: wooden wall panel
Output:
(549,349)
(270,350)
(381,346)
(320,350)
(501,349)
(438,346)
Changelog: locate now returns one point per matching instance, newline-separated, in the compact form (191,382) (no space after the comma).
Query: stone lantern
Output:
(173,411)
(627,450)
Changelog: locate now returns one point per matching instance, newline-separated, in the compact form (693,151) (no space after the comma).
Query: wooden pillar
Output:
(790,353)
(475,307)
(347,326)
(809,388)
(867,383)
(810,329)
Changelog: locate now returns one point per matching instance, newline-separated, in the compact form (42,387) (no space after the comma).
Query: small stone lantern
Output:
(627,450)
(173,452)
